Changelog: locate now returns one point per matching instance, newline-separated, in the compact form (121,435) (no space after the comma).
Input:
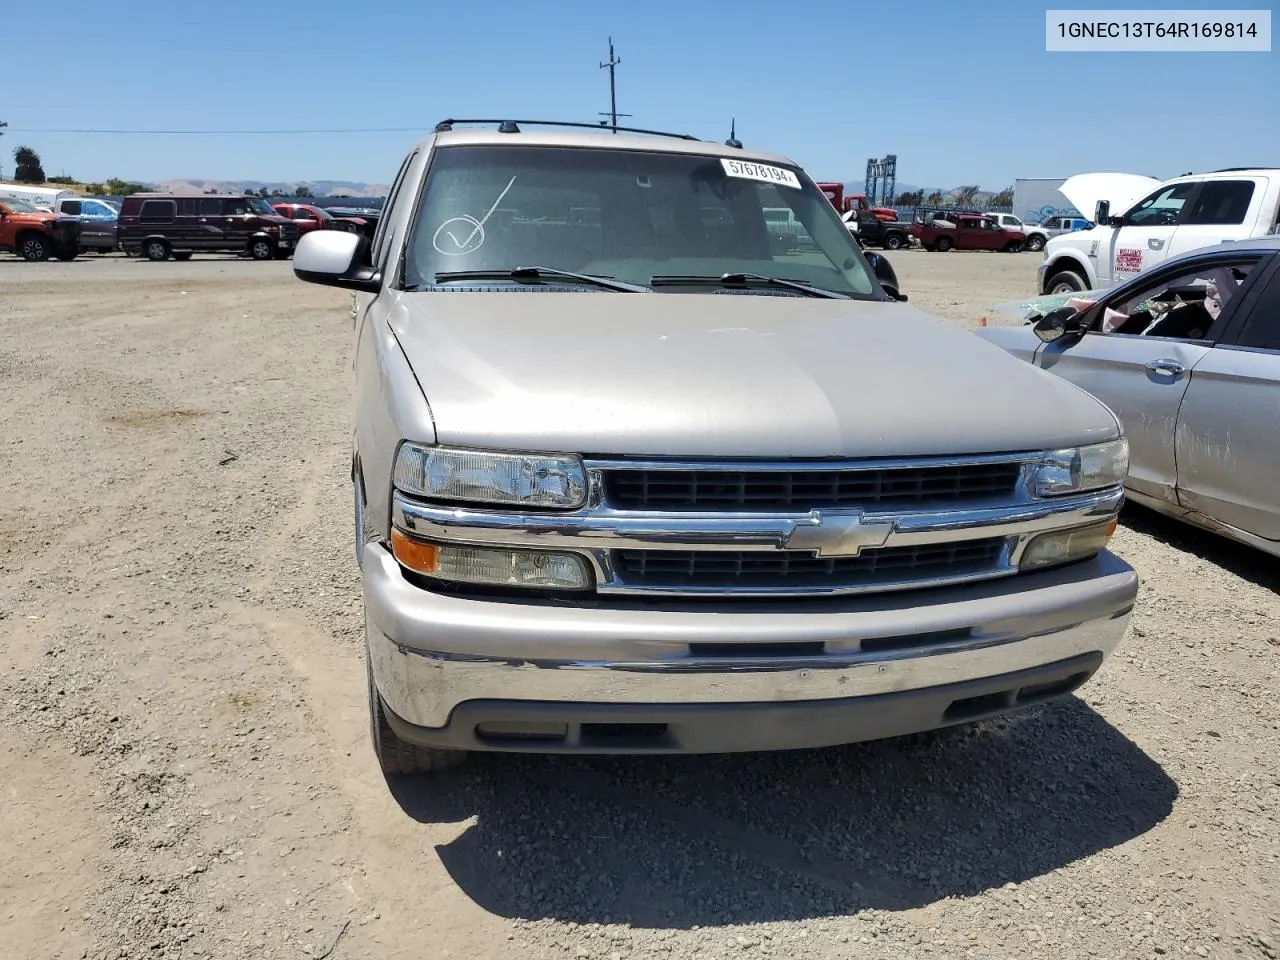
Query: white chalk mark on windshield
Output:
(453,247)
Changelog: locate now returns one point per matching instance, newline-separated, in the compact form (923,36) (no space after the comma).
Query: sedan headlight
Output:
(480,476)
(1078,469)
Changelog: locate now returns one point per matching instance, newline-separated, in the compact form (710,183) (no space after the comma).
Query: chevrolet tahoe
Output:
(643,481)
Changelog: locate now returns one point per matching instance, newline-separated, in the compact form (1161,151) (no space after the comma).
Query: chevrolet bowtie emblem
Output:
(838,534)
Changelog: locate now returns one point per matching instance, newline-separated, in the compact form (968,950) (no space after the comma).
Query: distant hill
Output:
(320,188)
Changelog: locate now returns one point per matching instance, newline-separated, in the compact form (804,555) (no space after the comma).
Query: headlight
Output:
(478,476)
(491,566)
(1077,469)
(1065,546)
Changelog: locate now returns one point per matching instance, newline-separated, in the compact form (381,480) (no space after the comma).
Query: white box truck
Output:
(1037,198)
(46,197)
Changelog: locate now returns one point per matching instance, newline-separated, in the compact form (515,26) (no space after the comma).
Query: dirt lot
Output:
(186,770)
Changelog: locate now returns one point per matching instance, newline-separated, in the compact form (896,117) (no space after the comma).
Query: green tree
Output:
(912,198)
(934,198)
(62,179)
(122,188)
(965,195)
(28,169)
(1004,198)
(302,190)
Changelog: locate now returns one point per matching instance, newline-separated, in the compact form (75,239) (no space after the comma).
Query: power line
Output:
(206,133)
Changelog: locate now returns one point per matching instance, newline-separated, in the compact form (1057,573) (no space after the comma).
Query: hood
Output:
(709,375)
(39,216)
(1121,190)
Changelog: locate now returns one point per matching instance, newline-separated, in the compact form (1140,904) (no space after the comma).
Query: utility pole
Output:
(613,113)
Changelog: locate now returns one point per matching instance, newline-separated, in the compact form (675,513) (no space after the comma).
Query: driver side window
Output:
(1184,306)
(1161,208)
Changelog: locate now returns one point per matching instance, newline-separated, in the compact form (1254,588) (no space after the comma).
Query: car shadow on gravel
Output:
(677,842)
(1244,561)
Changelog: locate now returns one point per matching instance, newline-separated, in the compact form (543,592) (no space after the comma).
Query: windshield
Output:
(19,206)
(630,215)
(322,213)
(258,205)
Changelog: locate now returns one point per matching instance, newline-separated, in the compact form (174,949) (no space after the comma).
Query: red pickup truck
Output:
(966,233)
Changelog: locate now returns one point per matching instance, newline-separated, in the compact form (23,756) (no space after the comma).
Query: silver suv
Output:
(631,478)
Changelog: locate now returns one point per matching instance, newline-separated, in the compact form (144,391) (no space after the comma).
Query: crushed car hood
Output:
(710,375)
(1121,190)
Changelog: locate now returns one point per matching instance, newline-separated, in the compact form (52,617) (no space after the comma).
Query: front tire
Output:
(943,244)
(894,241)
(34,248)
(262,249)
(1035,242)
(395,756)
(1065,281)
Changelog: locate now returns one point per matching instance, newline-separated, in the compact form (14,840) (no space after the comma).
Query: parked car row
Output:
(37,223)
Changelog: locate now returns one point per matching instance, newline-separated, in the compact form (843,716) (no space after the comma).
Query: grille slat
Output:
(789,569)
(806,490)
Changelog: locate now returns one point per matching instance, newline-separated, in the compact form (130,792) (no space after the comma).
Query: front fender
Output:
(1069,259)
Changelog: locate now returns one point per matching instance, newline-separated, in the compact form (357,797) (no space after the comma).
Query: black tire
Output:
(1014,246)
(34,247)
(395,756)
(1035,242)
(67,254)
(1065,281)
(182,255)
(943,244)
(894,241)
(261,248)
(156,250)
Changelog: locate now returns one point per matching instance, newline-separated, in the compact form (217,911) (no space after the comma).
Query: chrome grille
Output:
(288,231)
(762,569)
(766,490)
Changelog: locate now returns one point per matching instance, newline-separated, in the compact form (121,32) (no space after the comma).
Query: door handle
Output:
(1170,368)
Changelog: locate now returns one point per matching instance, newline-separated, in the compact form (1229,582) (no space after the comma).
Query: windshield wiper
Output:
(534,274)
(749,280)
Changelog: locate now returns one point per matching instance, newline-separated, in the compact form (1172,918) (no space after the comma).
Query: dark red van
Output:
(161,225)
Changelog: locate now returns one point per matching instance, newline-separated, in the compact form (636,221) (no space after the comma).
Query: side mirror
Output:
(884,272)
(336,258)
(1057,324)
(1102,212)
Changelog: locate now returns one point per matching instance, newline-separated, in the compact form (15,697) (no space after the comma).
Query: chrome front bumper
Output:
(432,653)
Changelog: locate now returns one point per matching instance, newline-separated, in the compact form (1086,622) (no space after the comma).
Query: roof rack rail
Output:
(512,126)
(1239,169)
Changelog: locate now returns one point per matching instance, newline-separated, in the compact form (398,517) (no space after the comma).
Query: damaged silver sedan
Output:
(1188,357)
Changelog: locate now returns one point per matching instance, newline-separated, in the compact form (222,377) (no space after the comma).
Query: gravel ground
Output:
(184,734)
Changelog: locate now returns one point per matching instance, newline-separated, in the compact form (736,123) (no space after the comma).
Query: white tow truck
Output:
(1185,213)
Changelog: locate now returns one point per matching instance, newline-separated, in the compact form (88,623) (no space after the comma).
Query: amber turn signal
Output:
(417,556)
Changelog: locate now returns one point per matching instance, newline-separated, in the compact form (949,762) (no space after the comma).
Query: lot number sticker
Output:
(762,172)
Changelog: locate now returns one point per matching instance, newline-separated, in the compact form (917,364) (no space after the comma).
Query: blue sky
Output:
(961,92)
